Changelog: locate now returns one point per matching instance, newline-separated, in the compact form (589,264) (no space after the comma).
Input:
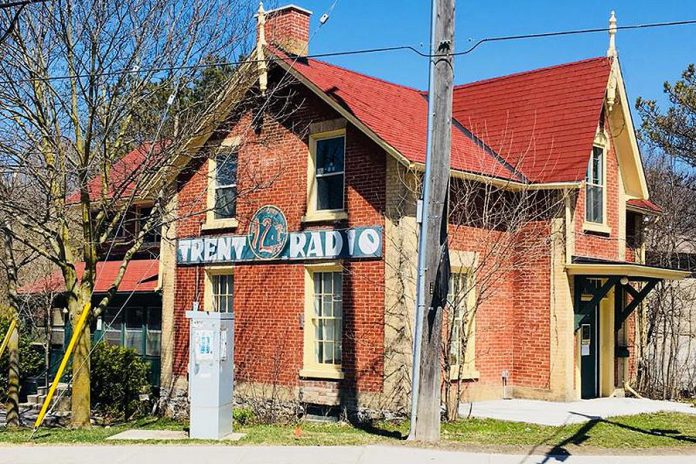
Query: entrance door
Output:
(589,355)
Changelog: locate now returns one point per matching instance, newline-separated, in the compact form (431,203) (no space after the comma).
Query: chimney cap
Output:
(291,6)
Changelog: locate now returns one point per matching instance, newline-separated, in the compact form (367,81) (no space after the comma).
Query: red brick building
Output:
(309,186)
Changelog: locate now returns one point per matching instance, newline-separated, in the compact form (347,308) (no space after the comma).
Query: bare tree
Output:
(83,84)
(497,229)
(667,324)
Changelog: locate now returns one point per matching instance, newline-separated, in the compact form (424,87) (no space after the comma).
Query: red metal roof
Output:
(537,125)
(645,205)
(141,276)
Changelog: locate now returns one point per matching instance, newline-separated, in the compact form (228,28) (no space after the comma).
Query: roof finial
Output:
(260,43)
(261,17)
(611,52)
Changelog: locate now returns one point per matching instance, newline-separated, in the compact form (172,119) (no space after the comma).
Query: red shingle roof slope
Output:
(141,276)
(537,125)
(541,122)
(124,174)
(396,114)
(645,205)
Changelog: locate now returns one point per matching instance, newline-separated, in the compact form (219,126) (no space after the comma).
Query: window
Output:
(327,319)
(330,173)
(594,202)
(221,286)
(225,185)
(326,173)
(323,322)
(112,323)
(153,335)
(152,235)
(134,329)
(462,300)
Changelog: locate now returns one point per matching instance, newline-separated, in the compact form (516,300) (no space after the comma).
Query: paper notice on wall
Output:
(223,345)
(203,344)
(585,351)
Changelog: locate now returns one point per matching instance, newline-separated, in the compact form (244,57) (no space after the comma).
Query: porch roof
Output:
(588,267)
(141,276)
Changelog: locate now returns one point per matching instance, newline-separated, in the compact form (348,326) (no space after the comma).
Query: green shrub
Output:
(119,376)
(31,360)
(243,416)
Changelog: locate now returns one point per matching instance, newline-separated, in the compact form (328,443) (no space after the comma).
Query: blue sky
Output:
(648,57)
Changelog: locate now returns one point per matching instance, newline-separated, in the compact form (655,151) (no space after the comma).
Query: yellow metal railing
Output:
(63,364)
(6,340)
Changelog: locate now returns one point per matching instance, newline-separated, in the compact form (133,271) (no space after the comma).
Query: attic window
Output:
(594,189)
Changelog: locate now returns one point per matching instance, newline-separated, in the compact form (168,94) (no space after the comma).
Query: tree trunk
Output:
(12,405)
(80,403)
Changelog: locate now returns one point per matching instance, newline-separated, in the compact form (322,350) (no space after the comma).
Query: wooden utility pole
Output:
(433,254)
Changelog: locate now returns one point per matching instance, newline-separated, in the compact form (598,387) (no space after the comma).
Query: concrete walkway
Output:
(556,413)
(294,455)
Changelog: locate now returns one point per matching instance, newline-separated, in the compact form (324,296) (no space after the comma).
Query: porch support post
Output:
(638,297)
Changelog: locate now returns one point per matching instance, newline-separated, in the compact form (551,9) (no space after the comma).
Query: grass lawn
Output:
(660,430)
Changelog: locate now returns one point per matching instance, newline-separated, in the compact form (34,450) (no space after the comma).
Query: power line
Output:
(573,32)
(363,51)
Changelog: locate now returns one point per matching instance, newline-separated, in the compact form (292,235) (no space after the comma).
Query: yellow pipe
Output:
(12,326)
(71,346)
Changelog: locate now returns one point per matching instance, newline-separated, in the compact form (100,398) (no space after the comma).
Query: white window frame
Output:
(228,146)
(311,367)
(313,213)
(211,273)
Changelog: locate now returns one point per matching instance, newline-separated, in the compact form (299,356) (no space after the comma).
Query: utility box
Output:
(211,373)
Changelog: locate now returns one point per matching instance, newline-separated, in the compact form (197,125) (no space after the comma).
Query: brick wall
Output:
(512,317)
(269,297)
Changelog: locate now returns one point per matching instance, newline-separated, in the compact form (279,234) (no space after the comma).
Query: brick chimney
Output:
(287,28)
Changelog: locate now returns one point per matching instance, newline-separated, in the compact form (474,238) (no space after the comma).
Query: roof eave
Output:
(625,269)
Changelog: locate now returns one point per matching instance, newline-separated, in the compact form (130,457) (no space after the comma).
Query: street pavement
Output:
(179,454)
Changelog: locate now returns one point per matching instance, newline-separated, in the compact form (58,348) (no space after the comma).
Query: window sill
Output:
(323,216)
(220,224)
(466,374)
(322,373)
(596,228)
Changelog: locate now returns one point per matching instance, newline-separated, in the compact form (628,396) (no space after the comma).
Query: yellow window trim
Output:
(311,368)
(210,272)
(212,223)
(327,215)
(468,371)
(314,215)
(600,141)
(596,227)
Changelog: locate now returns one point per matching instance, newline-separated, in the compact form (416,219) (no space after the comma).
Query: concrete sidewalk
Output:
(164,454)
(575,412)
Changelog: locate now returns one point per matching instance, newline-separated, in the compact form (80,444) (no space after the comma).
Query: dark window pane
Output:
(154,318)
(594,204)
(330,192)
(330,155)
(597,165)
(225,202)
(226,169)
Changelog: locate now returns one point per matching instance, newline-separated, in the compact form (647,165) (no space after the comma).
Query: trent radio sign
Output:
(268,239)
